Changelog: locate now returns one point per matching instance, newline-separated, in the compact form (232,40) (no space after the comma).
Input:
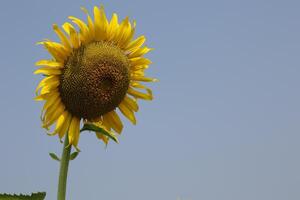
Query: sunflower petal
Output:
(90,23)
(144,79)
(42,97)
(140,61)
(73,133)
(137,43)
(131,103)
(116,121)
(138,67)
(102,137)
(127,113)
(84,34)
(101,23)
(54,98)
(59,123)
(48,71)
(66,27)
(130,36)
(49,63)
(113,26)
(124,32)
(140,95)
(48,90)
(139,52)
(50,80)
(62,37)
(74,37)
(63,130)
(58,51)
(51,117)
(107,123)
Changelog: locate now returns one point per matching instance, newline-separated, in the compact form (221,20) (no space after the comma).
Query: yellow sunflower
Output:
(93,72)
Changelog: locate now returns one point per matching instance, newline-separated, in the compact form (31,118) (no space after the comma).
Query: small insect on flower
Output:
(93,72)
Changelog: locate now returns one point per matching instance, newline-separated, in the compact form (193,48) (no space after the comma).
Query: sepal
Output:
(92,127)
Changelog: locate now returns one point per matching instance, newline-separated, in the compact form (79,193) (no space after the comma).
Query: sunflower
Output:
(95,72)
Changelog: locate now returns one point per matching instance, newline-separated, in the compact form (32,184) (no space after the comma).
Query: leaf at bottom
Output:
(33,196)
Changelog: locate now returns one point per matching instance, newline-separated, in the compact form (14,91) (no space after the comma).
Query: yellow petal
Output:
(61,120)
(137,43)
(127,113)
(139,52)
(107,123)
(48,71)
(53,98)
(140,95)
(50,107)
(130,103)
(62,37)
(45,90)
(42,97)
(58,51)
(143,78)
(116,121)
(62,124)
(66,26)
(45,94)
(123,32)
(139,61)
(90,23)
(69,28)
(84,34)
(73,133)
(113,26)
(50,80)
(49,63)
(52,116)
(65,126)
(102,137)
(48,88)
(100,23)
(130,36)
(138,67)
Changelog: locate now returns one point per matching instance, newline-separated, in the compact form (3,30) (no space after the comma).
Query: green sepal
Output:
(74,155)
(33,196)
(92,127)
(54,157)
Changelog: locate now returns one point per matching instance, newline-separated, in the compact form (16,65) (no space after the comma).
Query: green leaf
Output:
(74,155)
(33,196)
(92,127)
(54,157)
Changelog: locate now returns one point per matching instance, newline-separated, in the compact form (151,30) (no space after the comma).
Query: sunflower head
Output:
(95,71)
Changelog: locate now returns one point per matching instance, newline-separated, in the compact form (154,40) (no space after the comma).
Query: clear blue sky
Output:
(225,122)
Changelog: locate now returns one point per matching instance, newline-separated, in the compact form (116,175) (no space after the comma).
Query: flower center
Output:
(95,80)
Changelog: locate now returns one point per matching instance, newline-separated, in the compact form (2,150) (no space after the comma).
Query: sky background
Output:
(224,124)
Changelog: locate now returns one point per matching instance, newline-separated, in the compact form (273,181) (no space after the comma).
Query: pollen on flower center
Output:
(95,80)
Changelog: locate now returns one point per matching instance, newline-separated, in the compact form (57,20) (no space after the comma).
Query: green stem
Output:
(63,172)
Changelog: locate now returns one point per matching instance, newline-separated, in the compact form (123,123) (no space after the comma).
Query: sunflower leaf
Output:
(74,155)
(92,127)
(33,196)
(54,157)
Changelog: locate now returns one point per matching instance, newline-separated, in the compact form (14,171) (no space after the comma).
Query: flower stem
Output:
(63,172)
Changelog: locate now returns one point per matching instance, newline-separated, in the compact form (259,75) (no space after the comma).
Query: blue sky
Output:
(224,123)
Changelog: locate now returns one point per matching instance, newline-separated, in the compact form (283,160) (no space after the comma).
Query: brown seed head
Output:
(95,80)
